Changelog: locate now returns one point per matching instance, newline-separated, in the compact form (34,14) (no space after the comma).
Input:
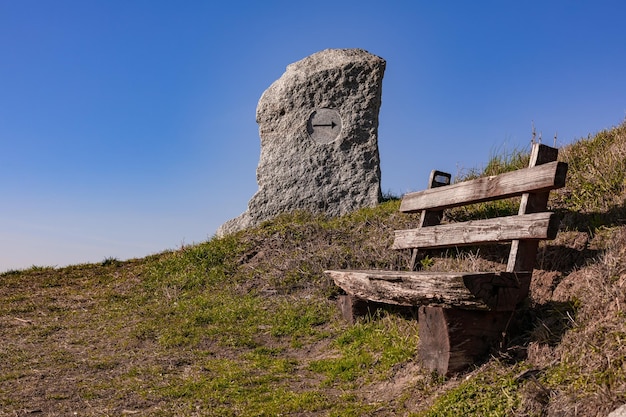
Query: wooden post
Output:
(352,307)
(452,339)
(430,217)
(523,255)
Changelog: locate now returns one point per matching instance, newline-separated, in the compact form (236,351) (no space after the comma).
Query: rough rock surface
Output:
(318,125)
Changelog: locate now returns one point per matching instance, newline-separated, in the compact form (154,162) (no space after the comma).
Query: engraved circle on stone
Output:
(324,125)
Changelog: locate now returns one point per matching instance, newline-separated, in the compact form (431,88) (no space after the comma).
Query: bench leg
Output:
(453,339)
(352,307)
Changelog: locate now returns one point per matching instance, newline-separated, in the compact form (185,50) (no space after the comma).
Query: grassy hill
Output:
(247,325)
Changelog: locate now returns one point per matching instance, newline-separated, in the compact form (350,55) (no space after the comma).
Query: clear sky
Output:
(127,127)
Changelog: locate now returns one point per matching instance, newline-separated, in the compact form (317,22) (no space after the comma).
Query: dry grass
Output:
(587,375)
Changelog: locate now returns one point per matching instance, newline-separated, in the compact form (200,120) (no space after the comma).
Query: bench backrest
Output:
(524,230)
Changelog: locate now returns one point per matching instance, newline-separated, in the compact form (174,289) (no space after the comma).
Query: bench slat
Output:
(497,291)
(536,179)
(535,226)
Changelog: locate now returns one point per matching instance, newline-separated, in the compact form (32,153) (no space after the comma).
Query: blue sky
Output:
(128,127)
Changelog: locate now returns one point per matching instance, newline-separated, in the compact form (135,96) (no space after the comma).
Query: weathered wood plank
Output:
(540,178)
(451,339)
(534,226)
(498,291)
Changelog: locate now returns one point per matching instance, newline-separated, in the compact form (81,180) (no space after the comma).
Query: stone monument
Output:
(318,125)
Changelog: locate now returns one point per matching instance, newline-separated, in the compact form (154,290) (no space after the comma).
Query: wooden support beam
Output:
(523,253)
(430,217)
(352,307)
(450,340)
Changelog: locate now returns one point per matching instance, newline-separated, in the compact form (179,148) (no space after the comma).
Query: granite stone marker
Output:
(318,125)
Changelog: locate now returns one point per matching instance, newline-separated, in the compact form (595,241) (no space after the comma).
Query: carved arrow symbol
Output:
(331,125)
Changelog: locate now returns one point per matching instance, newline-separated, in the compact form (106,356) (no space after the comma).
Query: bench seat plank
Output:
(496,291)
(539,178)
(500,229)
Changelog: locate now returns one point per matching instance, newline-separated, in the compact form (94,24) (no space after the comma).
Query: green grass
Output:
(369,350)
(597,171)
(490,393)
(195,329)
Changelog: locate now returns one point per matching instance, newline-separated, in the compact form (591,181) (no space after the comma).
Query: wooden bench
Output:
(463,314)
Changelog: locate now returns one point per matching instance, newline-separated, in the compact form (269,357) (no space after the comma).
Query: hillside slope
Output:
(247,325)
